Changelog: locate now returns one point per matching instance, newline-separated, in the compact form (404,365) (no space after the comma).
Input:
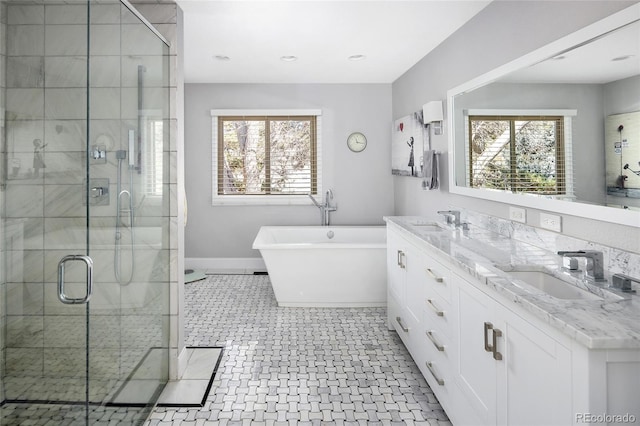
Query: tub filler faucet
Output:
(325,208)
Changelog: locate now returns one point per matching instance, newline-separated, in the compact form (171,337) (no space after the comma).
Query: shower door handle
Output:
(61,271)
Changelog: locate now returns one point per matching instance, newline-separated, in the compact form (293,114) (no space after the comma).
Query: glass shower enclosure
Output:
(84,200)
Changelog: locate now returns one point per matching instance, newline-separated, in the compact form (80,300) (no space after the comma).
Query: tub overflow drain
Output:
(330,234)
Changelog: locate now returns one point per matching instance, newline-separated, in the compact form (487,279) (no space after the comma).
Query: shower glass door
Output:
(128,201)
(85,200)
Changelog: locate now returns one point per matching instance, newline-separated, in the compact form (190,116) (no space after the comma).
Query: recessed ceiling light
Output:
(288,58)
(222,57)
(356,57)
(622,58)
(558,58)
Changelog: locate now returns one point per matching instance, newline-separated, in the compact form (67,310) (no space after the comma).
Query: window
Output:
(520,153)
(153,157)
(265,157)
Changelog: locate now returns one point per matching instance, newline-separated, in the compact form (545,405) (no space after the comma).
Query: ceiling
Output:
(612,57)
(251,37)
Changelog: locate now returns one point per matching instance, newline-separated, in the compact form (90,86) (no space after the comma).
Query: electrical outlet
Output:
(517,214)
(551,222)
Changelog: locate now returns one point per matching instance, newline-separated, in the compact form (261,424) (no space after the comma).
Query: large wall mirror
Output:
(557,129)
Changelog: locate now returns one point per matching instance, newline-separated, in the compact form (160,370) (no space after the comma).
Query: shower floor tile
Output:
(298,365)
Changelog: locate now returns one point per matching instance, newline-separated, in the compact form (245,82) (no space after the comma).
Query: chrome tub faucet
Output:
(325,208)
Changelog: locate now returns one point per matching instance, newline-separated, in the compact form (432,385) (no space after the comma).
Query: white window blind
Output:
(153,157)
(266,157)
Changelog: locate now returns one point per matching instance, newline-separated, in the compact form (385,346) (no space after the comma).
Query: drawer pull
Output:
(399,320)
(434,341)
(496,355)
(400,258)
(493,347)
(487,326)
(434,276)
(433,373)
(435,308)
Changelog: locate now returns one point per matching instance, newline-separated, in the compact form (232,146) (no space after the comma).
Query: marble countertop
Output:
(610,320)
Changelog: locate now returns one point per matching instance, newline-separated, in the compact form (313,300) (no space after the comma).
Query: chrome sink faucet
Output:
(449,214)
(596,271)
(325,208)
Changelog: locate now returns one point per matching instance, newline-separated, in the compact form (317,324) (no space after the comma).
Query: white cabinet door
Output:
(534,377)
(511,372)
(398,315)
(396,259)
(476,366)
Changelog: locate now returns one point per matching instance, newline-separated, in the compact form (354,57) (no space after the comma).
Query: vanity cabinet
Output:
(510,371)
(487,362)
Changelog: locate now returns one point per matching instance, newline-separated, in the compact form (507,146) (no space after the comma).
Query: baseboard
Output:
(241,265)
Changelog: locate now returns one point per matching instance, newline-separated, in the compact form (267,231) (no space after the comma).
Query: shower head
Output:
(121,154)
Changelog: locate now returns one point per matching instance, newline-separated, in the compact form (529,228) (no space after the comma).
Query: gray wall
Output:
(514,28)
(362,183)
(622,96)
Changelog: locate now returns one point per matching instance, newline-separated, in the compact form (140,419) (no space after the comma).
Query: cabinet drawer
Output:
(437,314)
(404,322)
(437,346)
(437,368)
(437,276)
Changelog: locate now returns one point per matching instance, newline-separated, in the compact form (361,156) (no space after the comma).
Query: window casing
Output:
(265,157)
(525,153)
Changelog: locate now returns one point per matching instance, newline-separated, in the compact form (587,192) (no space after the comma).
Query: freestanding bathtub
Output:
(325,266)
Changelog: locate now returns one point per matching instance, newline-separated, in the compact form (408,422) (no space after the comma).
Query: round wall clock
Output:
(357,142)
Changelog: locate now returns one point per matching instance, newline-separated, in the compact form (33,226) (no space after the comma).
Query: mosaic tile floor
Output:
(298,365)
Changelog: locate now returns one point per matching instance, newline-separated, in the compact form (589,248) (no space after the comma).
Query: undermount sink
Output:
(553,286)
(428,226)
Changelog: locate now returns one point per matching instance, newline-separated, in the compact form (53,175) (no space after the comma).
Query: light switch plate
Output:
(517,214)
(551,222)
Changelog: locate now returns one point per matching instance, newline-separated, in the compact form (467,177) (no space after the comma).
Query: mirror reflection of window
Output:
(518,154)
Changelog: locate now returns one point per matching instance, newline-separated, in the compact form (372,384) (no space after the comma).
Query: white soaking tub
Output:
(325,266)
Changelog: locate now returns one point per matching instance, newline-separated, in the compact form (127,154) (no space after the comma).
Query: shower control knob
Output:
(99,191)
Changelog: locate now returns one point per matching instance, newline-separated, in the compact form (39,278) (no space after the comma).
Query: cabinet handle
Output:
(434,276)
(496,355)
(399,320)
(400,258)
(435,308)
(434,341)
(493,347)
(487,326)
(433,373)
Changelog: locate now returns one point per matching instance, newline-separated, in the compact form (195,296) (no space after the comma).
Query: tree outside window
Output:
(267,155)
(519,154)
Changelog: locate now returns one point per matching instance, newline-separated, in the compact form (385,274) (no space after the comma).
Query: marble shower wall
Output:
(615,260)
(46,103)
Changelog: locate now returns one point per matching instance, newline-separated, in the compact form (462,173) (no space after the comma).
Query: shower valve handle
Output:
(99,191)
